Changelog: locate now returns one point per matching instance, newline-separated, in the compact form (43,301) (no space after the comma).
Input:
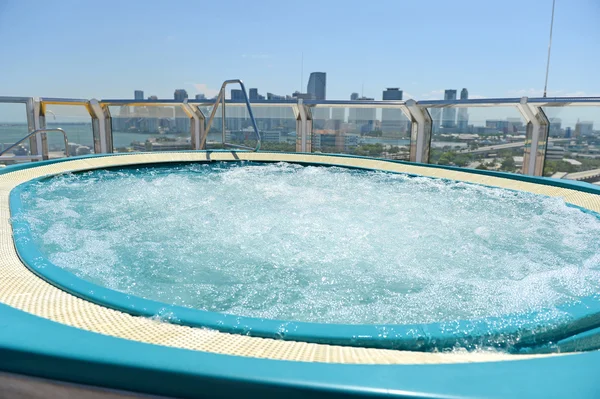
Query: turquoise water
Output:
(317,244)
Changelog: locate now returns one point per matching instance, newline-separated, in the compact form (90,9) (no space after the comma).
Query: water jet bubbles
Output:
(318,244)
(165,315)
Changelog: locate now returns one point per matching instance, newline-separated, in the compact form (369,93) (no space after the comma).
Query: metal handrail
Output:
(221,99)
(40,131)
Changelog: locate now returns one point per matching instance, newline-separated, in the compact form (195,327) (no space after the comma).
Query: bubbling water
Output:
(319,244)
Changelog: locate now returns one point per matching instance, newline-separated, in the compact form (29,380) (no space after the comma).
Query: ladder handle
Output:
(221,99)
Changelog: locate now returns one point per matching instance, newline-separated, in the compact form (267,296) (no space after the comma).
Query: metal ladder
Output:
(221,99)
(35,157)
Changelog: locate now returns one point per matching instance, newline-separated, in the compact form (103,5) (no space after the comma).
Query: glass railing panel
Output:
(215,136)
(491,138)
(573,150)
(368,131)
(76,121)
(276,124)
(150,128)
(13,127)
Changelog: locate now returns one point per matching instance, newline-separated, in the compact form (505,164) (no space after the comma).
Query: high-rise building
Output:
(449,114)
(253,93)
(236,118)
(392,93)
(463,114)
(200,96)
(515,125)
(363,118)
(271,96)
(304,96)
(354,96)
(436,118)
(237,94)
(182,121)
(555,127)
(122,122)
(152,121)
(393,120)
(568,132)
(317,84)
(584,129)
(138,95)
(320,115)
(338,116)
(180,95)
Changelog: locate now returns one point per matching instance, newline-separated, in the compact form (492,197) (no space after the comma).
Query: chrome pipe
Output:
(221,98)
(66,140)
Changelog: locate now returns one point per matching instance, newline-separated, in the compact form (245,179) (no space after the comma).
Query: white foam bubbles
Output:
(316,244)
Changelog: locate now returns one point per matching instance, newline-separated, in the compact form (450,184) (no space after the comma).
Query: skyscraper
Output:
(253,94)
(200,96)
(236,94)
(271,96)
(436,118)
(338,116)
(138,94)
(182,121)
(304,96)
(320,116)
(180,95)
(463,113)
(152,122)
(363,118)
(121,123)
(317,85)
(584,128)
(354,96)
(392,93)
(393,120)
(449,114)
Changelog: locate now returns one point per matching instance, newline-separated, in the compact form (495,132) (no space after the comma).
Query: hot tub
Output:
(363,238)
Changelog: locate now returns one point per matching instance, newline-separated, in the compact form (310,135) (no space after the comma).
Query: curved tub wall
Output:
(73,339)
(529,332)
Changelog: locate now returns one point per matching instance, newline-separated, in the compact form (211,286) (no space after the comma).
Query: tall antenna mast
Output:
(549,48)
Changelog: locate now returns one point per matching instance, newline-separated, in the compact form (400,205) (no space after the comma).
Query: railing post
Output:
(303,128)
(108,128)
(536,138)
(30,108)
(420,131)
(542,140)
(99,127)
(201,142)
(197,125)
(30,114)
(39,143)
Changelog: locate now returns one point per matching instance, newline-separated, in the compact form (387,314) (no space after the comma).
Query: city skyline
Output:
(387,120)
(361,61)
(390,93)
(458,119)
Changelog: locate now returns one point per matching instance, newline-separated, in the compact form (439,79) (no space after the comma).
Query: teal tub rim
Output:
(37,347)
(526,333)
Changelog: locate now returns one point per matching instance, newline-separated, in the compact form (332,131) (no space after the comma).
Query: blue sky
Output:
(109,48)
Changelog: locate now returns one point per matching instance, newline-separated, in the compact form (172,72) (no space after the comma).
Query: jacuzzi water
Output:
(317,244)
